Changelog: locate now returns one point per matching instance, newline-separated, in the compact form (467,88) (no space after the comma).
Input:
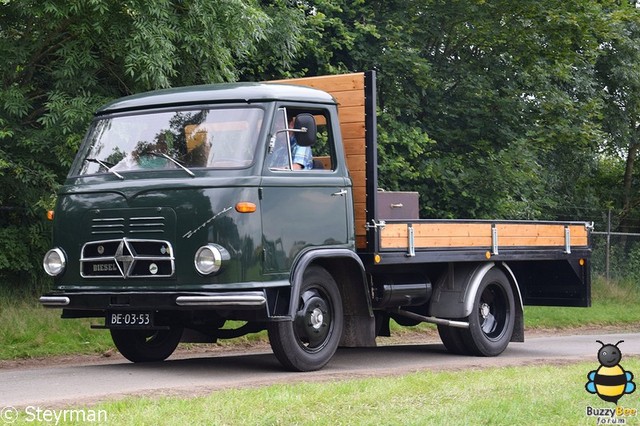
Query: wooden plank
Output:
(358,178)
(436,242)
(359,194)
(329,83)
(350,98)
(539,235)
(354,146)
(356,162)
(452,229)
(325,160)
(533,229)
(460,235)
(353,131)
(353,114)
(579,235)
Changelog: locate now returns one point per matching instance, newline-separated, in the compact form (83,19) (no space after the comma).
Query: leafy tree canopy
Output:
(61,60)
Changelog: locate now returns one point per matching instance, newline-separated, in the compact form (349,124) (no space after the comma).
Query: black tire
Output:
(146,345)
(492,318)
(309,341)
(452,339)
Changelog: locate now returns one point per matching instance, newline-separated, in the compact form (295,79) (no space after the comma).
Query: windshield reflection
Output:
(214,138)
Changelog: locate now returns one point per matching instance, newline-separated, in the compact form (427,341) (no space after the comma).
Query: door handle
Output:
(341,192)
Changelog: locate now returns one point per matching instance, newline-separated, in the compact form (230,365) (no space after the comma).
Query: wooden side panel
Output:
(348,90)
(437,235)
(473,235)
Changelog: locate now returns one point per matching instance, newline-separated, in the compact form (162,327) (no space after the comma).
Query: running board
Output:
(431,320)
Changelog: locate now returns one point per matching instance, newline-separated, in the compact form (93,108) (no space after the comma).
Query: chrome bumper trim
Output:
(54,301)
(256,299)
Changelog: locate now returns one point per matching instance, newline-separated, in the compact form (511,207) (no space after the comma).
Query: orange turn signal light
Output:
(245,207)
(50,214)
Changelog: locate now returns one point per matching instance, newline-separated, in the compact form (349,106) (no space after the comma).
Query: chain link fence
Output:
(616,255)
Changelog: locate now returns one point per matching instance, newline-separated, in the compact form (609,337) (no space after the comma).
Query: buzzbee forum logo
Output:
(610,381)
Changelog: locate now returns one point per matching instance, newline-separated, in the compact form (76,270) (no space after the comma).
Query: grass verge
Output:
(30,331)
(540,395)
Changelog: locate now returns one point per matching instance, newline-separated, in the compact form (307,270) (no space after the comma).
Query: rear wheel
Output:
(492,318)
(309,341)
(146,345)
(452,339)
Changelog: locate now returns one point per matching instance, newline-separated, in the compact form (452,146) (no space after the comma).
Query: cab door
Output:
(302,209)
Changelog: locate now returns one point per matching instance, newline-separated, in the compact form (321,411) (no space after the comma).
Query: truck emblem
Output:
(153,268)
(124,259)
(100,249)
(163,250)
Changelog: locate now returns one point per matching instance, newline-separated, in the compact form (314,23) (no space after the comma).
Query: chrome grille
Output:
(122,226)
(127,258)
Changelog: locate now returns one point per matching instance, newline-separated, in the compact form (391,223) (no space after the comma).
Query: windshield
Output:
(213,138)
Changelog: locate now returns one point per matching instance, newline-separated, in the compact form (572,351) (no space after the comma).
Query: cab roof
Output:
(217,93)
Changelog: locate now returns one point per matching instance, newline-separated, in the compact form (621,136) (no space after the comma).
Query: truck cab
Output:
(184,209)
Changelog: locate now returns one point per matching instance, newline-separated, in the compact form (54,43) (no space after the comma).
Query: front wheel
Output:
(146,345)
(493,316)
(309,341)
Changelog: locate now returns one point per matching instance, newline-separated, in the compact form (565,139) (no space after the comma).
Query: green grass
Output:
(612,304)
(540,395)
(30,331)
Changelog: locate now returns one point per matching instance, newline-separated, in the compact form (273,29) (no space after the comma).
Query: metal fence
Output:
(616,255)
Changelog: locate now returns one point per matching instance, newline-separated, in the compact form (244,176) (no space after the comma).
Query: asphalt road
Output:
(198,374)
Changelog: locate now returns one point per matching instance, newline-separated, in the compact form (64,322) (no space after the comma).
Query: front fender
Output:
(323,256)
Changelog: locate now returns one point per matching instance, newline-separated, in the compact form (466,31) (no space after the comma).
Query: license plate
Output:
(129,319)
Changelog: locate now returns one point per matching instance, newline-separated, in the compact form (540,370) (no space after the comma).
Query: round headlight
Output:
(209,259)
(54,262)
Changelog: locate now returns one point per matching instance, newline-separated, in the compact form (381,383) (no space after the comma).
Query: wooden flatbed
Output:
(430,238)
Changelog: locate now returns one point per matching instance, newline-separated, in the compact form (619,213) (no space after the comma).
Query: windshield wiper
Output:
(106,165)
(173,160)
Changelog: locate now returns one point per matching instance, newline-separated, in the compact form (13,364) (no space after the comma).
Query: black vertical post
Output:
(608,247)
(371,149)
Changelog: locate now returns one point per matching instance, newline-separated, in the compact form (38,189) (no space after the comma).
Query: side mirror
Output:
(305,129)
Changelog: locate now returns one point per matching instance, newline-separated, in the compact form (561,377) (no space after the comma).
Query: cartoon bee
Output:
(610,381)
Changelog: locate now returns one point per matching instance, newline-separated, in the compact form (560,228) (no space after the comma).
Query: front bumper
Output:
(102,301)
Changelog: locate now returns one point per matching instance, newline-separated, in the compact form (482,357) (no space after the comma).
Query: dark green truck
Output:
(184,209)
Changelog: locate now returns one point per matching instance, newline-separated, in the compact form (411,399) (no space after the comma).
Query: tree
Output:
(61,60)
(493,101)
(617,71)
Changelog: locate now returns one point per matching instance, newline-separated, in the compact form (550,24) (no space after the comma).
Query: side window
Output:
(285,152)
(323,151)
(280,149)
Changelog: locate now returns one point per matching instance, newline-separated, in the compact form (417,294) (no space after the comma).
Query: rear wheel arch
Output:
(475,292)
(456,288)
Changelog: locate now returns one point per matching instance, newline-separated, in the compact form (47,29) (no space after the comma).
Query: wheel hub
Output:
(313,320)
(485,310)
(316,319)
